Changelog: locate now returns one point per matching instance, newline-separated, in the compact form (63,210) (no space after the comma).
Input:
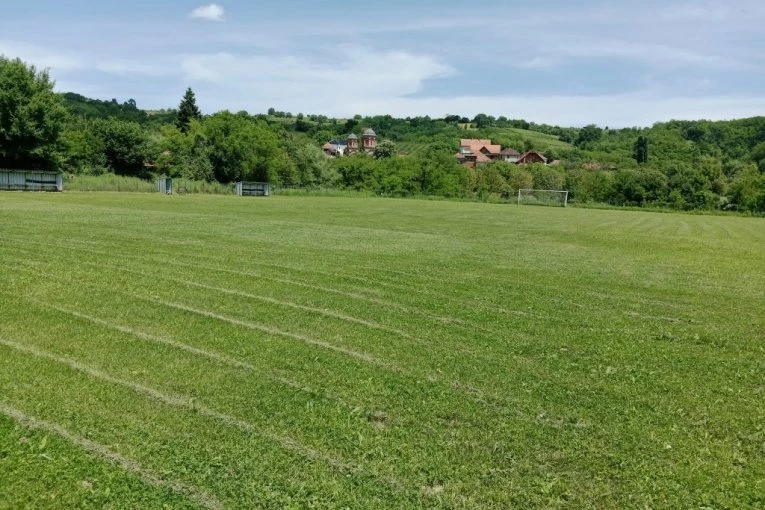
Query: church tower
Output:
(353,143)
(369,140)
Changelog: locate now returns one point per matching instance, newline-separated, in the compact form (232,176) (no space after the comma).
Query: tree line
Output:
(678,164)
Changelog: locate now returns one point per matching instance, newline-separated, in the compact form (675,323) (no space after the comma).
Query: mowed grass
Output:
(309,352)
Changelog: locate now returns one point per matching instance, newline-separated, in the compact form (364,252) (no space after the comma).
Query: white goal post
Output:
(543,197)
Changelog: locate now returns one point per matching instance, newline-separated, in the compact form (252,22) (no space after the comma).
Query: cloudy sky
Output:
(625,63)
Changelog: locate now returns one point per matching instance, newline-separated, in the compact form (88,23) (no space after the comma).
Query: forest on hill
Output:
(676,164)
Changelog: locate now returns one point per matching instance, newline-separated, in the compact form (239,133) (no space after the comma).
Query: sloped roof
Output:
(480,157)
(476,145)
(467,142)
(530,153)
(510,152)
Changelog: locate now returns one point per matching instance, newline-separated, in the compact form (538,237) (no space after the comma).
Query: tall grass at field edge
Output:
(112,182)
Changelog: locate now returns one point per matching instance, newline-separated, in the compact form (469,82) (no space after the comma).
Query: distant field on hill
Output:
(410,148)
(206,351)
(541,141)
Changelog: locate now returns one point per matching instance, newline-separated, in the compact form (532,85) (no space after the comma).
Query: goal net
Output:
(543,197)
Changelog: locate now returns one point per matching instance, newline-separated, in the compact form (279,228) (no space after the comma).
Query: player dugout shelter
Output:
(253,189)
(31,180)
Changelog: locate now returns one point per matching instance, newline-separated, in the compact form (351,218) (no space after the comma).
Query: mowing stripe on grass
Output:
(368,358)
(220,358)
(193,493)
(327,313)
(189,403)
(478,395)
(289,304)
(451,321)
(264,299)
(330,290)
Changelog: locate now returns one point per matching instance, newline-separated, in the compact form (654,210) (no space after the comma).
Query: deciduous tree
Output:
(587,135)
(126,146)
(31,117)
(385,149)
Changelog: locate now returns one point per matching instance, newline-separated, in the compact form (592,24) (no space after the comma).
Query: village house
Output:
(338,148)
(335,148)
(510,155)
(475,152)
(531,157)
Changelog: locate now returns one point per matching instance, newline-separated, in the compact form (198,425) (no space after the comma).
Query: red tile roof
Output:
(476,145)
(480,157)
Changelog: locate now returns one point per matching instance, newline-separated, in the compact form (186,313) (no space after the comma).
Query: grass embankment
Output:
(220,351)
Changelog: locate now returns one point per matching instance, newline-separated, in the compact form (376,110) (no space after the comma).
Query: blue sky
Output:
(571,63)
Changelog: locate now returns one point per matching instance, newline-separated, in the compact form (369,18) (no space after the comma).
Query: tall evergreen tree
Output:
(641,150)
(187,111)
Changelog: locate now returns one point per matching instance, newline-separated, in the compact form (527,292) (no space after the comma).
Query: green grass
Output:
(112,182)
(541,141)
(411,148)
(320,352)
(108,182)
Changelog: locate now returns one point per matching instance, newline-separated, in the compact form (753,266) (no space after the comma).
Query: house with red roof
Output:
(475,152)
(531,157)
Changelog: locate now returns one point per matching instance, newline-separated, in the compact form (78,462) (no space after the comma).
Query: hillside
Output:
(682,164)
(520,139)
(85,107)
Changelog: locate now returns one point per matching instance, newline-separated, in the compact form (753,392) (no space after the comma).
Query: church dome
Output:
(369,132)
(353,136)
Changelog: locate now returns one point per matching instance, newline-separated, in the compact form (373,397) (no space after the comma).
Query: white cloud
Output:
(657,54)
(538,63)
(143,67)
(353,78)
(370,83)
(211,12)
(683,63)
(42,58)
(617,110)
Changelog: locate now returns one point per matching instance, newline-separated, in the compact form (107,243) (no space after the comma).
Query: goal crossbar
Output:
(564,193)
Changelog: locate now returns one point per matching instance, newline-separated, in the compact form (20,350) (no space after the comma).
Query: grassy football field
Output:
(296,352)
